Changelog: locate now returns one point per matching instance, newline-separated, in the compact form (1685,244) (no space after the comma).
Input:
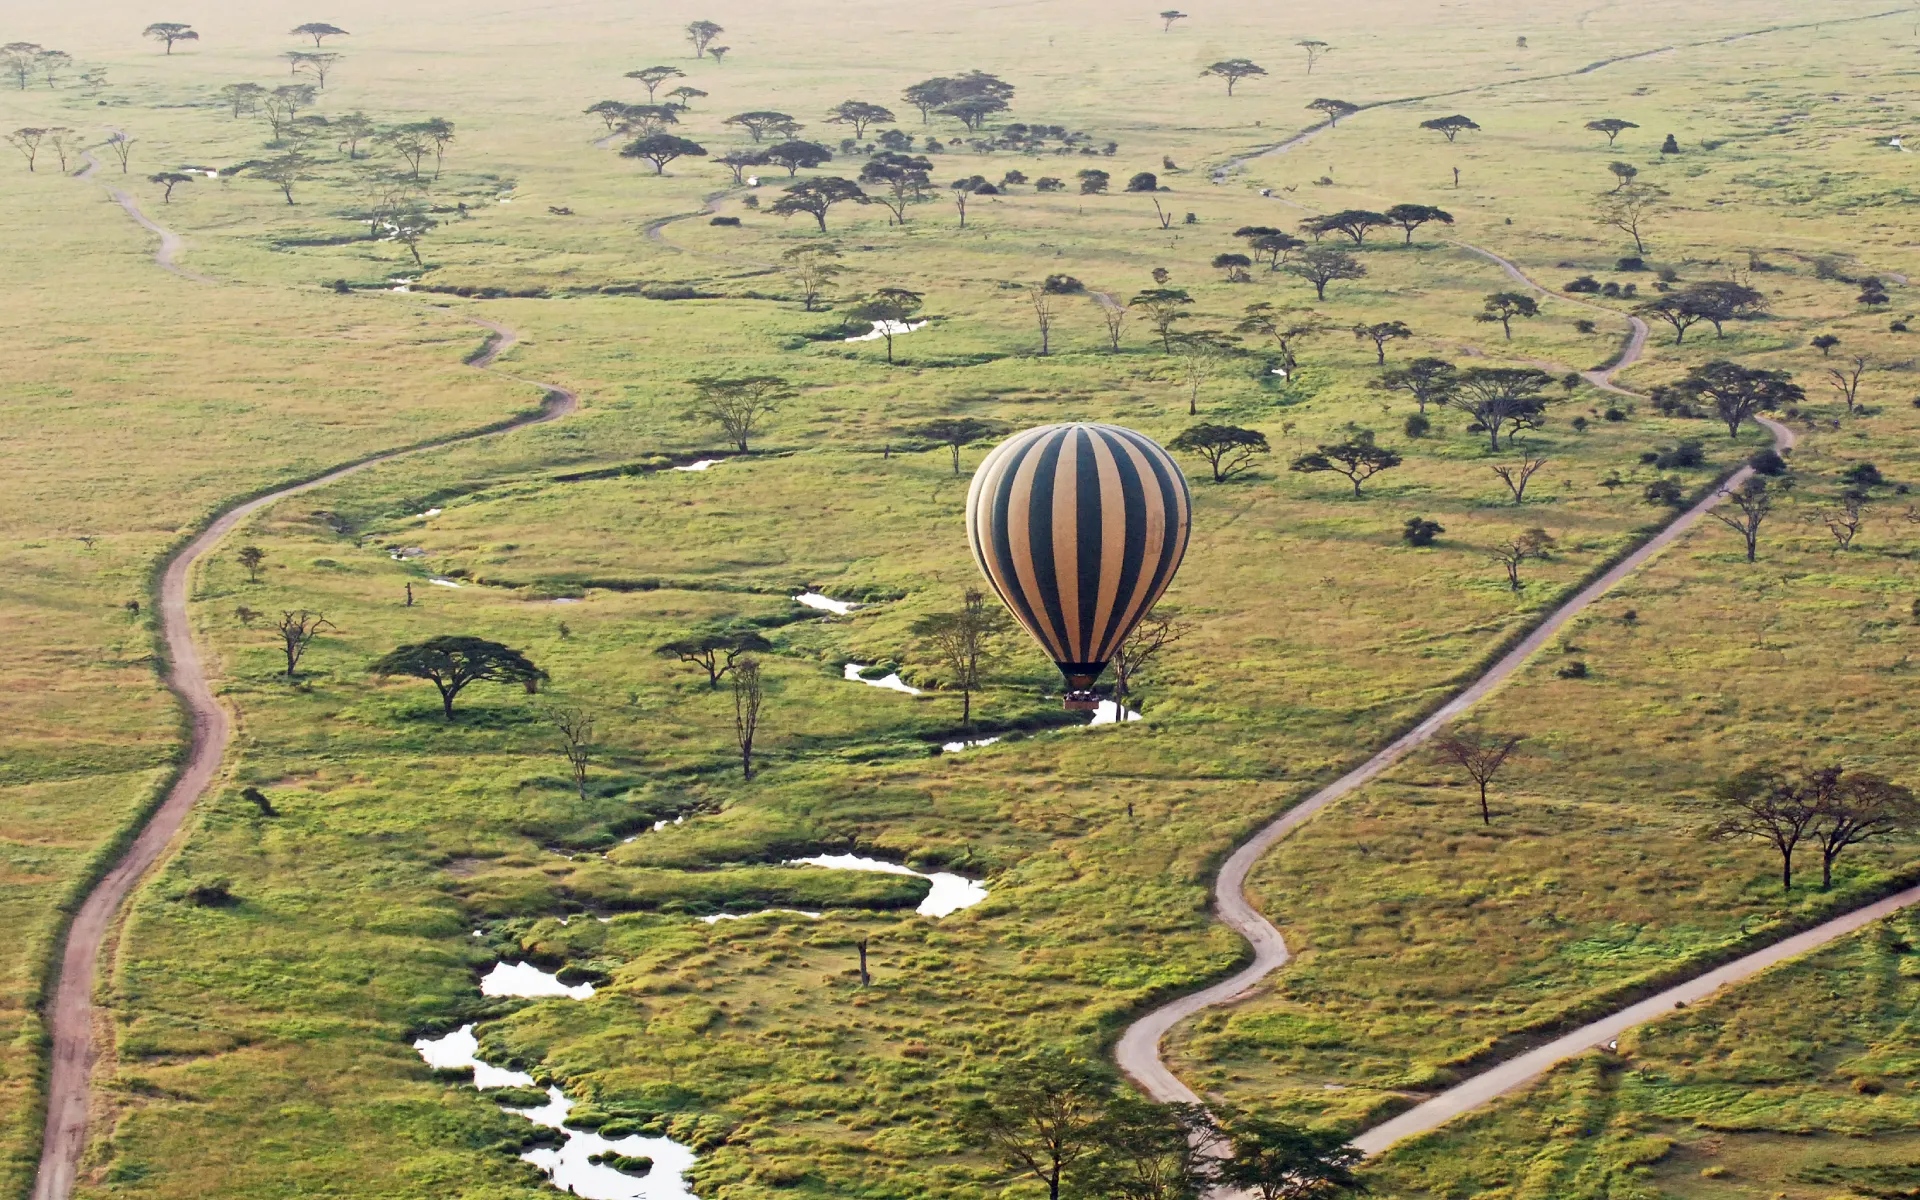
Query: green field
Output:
(262,1049)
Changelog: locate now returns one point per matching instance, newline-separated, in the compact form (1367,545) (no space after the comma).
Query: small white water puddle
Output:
(888,328)
(662,824)
(950,893)
(892,682)
(716,918)
(407,552)
(441,582)
(702,465)
(825,603)
(568,1166)
(957,747)
(1110,713)
(432,512)
(527,980)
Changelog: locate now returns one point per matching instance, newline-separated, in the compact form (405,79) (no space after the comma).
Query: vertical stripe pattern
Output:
(1079,528)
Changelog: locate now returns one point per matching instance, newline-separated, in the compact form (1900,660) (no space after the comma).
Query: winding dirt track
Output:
(70,1012)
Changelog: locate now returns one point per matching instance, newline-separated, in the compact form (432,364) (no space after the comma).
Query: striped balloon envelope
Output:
(1079,528)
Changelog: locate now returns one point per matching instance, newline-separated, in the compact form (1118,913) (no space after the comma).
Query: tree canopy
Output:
(1412,216)
(318,31)
(1333,109)
(737,404)
(661,149)
(1356,223)
(1227,449)
(1233,70)
(1452,126)
(452,662)
(170,32)
(815,196)
(859,114)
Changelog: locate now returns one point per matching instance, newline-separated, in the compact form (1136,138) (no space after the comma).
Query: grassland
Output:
(270,1037)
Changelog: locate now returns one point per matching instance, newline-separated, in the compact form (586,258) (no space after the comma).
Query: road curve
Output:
(70,1011)
(1138,1050)
(167,254)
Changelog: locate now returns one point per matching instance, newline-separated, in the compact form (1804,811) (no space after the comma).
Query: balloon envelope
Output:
(1079,528)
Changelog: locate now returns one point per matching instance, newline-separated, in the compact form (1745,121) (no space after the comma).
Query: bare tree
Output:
(27,142)
(1846,380)
(297,631)
(1314,50)
(575,727)
(1481,756)
(1521,548)
(121,146)
(1042,302)
(748,695)
(1846,521)
(1752,504)
(1160,628)
(1515,476)
(966,643)
(1115,315)
(1764,803)
(1629,210)
(812,267)
(1202,353)
(62,139)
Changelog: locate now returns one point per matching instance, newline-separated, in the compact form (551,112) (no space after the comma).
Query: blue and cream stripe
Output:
(1079,528)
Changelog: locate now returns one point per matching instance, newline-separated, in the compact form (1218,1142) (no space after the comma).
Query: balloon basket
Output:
(1082,702)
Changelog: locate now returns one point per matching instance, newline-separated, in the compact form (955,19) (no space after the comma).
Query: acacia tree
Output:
(250,559)
(170,32)
(1286,326)
(169,180)
(1503,307)
(1358,458)
(1613,127)
(1233,70)
(1201,354)
(701,34)
(859,114)
(749,694)
(1277,1161)
(1452,126)
(1623,174)
(318,31)
(1500,396)
(716,653)
(1041,301)
(1427,380)
(956,432)
(1765,803)
(1852,807)
(27,141)
(1164,307)
(51,63)
(906,178)
(652,77)
(242,98)
(1228,449)
(19,59)
(1356,223)
(452,662)
(316,62)
(661,149)
(1314,50)
(1846,380)
(759,123)
(683,97)
(1738,393)
(815,196)
(737,404)
(351,130)
(812,267)
(966,189)
(1272,243)
(1517,475)
(1516,551)
(297,631)
(1168,17)
(1040,1114)
(965,642)
(1321,265)
(408,225)
(283,104)
(1334,109)
(1752,504)
(1480,755)
(285,172)
(1380,333)
(1412,216)
(1677,310)
(890,310)
(1629,209)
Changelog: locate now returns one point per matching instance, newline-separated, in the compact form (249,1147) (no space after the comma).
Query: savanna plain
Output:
(1084,224)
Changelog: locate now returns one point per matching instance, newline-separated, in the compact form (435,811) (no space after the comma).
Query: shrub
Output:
(341,286)
(1583,325)
(1897,327)
(1629,289)
(215,894)
(1864,475)
(1013,177)
(1668,275)
(1768,462)
(724,221)
(1418,426)
(1580,424)
(1573,670)
(1664,491)
(1614,414)
(1686,456)
(1611,289)
(751,201)
(1062,285)
(1047,183)
(258,799)
(1419,531)
(1145,181)
(1586,283)
(1631,263)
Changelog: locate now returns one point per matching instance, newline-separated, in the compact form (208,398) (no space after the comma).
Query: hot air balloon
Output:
(1079,528)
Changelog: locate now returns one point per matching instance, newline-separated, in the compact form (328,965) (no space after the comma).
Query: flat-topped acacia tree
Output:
(1314,50)
(859,114)
(1452,126)
(737,405)
(170,32)
(1334,109)
(661,149)
(652,77)
(759,122)
(1613,127)
(815,196)
(318,31)
(1233,70)
(451,663)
